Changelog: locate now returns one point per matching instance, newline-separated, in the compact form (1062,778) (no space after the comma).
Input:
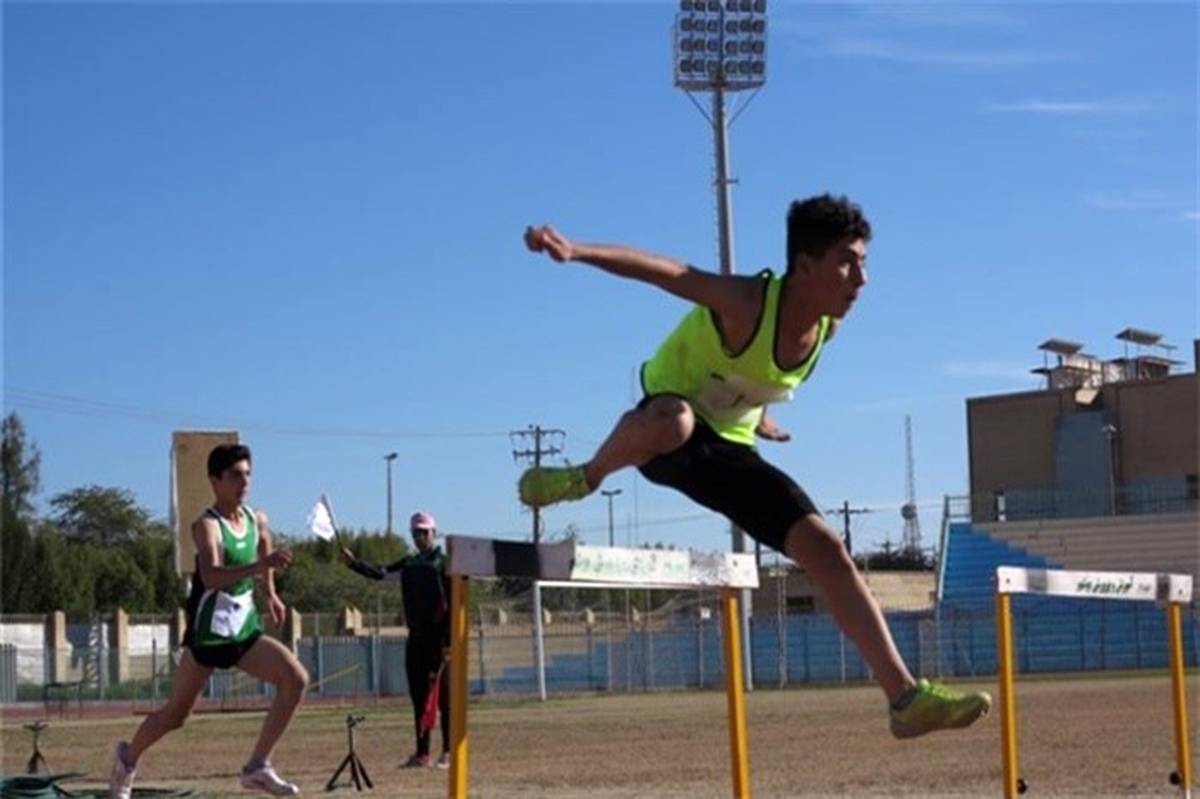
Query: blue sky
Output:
(303,221)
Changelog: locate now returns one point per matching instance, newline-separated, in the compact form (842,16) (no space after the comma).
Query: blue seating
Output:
(1051,633)
(971,558)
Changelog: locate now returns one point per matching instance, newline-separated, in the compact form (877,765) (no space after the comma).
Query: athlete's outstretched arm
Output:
(676,277)
(390,572)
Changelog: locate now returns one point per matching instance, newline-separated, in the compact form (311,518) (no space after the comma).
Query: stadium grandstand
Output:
(1095,471)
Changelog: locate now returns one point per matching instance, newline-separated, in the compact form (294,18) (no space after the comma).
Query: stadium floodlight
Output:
(714,27)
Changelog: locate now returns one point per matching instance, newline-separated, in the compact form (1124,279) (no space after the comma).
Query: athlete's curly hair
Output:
(813,225)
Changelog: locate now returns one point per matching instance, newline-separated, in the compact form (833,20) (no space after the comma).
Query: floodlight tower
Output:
(721,46)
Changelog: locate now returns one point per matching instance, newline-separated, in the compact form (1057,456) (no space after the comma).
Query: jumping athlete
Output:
(749,341)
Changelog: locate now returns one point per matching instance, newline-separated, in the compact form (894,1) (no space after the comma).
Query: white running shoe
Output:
(120,781)
(266,779)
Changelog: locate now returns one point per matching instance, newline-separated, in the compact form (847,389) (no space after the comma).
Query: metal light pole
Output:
(609,495)
(611,542)
(1110,432)
(391,456)
(721,46)
(545,442)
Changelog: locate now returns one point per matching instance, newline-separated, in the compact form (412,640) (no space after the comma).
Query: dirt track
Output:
(1077,737)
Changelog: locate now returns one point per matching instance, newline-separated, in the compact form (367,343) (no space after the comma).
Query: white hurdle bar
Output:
(1173,590)
(583,566)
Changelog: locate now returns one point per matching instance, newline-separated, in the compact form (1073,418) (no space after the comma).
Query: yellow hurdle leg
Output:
(459,595)
(1183,758)
(1008,717)
(733,691)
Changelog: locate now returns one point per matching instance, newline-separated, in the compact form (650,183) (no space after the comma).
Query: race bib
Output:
(733,398)
(230,613)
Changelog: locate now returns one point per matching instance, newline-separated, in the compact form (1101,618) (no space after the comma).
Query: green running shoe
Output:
(544,486)
(935,707)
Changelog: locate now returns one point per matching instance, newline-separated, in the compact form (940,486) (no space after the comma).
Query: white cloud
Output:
(891,404)
(901,52)
(938,15)
(1003,370)
(1070,107)
(1135,200)
(1191,216)
(926,33)
(879,405)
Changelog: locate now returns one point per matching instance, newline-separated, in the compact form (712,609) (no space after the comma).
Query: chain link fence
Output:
(675,647)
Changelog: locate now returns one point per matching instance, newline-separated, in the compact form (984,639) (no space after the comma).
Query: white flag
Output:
(320,520)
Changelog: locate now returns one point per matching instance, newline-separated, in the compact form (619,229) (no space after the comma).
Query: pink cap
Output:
(422,521)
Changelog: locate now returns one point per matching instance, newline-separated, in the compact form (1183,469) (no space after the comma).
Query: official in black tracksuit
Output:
(426,593)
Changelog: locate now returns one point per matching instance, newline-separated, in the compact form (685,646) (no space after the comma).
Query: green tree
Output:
(17,579)
(103,516)
(64,577)
(154,556)
(21,465)
(118,582)
(376,546)
(318,581)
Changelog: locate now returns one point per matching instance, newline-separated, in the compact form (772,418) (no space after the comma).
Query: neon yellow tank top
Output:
(727,391)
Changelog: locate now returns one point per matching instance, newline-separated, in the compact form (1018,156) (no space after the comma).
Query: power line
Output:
(80,406)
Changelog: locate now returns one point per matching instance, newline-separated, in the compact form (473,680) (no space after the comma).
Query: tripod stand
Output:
(358,772)
(36,757)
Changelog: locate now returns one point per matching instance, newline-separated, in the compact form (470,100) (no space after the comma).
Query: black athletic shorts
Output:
(733,480)
(221,656)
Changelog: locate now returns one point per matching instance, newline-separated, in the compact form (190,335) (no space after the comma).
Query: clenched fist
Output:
(548,240)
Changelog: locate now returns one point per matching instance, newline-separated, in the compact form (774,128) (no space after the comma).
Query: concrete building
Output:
(1104,437)
(894,590)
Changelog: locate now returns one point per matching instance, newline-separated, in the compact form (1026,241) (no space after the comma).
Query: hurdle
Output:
(595,567)
(1173,590)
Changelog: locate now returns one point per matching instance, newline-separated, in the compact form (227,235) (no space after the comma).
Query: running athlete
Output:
(224,628)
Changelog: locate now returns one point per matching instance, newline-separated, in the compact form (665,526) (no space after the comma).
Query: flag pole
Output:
(323,503)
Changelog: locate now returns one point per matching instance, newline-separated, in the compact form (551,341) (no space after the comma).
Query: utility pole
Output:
(544,442)
(846,511)
(530,445)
